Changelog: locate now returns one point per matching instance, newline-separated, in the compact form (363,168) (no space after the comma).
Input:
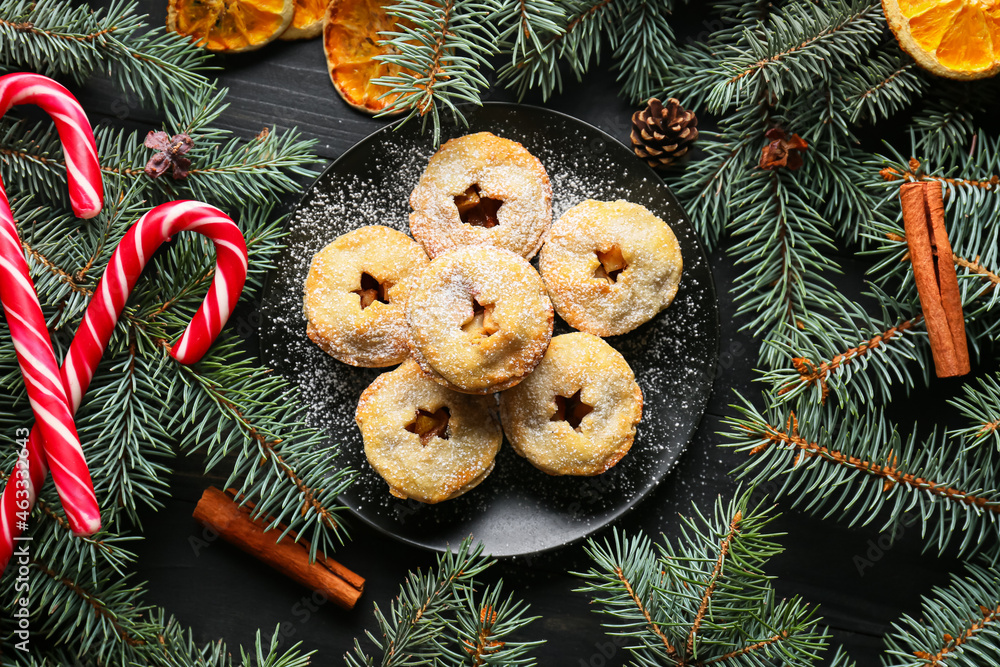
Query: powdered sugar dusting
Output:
(502,170)
(517,509)
(442,303)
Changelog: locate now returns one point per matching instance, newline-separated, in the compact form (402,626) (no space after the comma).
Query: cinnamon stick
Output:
(935,277)
(219,511)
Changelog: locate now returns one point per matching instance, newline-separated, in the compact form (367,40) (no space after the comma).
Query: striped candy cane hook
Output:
(83,171)
(35,356)
(127,263)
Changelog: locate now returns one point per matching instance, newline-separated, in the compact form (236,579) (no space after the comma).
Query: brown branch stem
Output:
(654,628)
(978,269)
(914,173)
(764,62)
(888,472)
(952,643)
(747,649)
(484,645)
(813,373)
(884,82)
(28,26)
(433,71)
(989,427)
(724,546)
(98,608)
(65,277)
(973,266)
(41,159)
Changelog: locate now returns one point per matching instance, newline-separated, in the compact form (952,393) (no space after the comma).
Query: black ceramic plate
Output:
(517,509)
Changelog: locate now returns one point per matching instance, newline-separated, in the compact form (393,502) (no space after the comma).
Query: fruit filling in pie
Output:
(430,424)
(612,263)
(371,291)
(477,210)
(481,323)
(572,410)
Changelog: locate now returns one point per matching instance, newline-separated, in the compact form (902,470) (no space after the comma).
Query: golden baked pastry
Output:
(479,319)
(576,413)
(482,189)
(428,442)
(355,294)
(610,266)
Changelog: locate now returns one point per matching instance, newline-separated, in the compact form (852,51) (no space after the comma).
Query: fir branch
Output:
(774,216)
(55,542)
(129,468)
(852,465)
(523,24)
(58,39)
(438,617)
(857,346)
(62,250)
(652,625)
(486,624)
(841,659)
(270,657)
(577,43)
(625,583)
(645,41)
(706,186)
(946,134)
(783,289)
(803,43)
(102,619)
(981,406)
(724,548)
(228,404)
(959,625)
(889,83)
(227,172)
(858,355)
(441,49)
(736,12)
(703,600)
(842,195)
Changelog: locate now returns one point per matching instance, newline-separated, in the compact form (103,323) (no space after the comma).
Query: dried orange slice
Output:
(230,26)
(958,39)
(351,40)
(307,21)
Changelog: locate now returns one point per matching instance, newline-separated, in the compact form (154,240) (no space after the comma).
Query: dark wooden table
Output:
(220,592)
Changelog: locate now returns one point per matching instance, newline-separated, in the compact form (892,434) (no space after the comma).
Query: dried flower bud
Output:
(782,151)
(170,155)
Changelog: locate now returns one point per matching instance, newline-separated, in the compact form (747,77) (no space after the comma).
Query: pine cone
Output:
(663,133)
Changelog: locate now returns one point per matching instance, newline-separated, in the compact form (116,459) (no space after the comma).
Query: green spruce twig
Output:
(443,50)
(703,599)
(442,617)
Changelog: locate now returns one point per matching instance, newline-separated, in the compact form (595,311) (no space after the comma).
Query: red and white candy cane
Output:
(35,356)
(98,324)
(83,171)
